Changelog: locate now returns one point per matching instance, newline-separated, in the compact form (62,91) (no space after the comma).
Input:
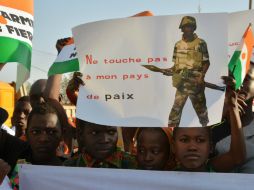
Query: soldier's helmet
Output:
(188,20)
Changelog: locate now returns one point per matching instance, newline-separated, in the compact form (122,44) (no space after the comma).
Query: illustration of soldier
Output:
(191,62)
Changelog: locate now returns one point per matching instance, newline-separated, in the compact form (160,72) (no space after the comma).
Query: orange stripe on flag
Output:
(248,39)
(23,5)
(145,13)
(70,41)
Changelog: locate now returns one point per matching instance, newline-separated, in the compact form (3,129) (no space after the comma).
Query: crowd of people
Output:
(42,135)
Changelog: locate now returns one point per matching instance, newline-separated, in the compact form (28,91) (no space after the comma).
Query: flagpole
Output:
(250,4)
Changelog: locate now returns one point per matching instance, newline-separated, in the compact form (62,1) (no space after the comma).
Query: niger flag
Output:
(16,33)
(240,61)
(66,61)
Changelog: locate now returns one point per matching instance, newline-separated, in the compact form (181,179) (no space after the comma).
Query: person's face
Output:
(99,141)
(247,89)
(188,30)
(192,147)
(152,149)
(44,135)
(20,114)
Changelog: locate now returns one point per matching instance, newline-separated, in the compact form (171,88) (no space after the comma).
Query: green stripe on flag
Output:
(12,50)
(235,66)
(64,67)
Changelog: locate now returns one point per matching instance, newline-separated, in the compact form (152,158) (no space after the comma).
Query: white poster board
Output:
(120,92)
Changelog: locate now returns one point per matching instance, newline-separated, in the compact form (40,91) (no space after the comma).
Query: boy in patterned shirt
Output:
(98,148)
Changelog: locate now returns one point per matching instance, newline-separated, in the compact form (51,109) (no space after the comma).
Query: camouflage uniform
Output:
(188,58)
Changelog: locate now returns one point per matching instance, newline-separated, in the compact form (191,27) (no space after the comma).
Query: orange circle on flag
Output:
(243,55)
(3,20)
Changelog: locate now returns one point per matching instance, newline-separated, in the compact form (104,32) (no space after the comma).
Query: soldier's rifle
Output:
(169,72)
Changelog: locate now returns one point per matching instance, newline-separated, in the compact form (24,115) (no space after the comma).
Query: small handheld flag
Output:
(240,61)
(66,61)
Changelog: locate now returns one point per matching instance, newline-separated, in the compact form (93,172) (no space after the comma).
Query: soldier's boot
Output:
(174,119)
(203,119)
(173,125)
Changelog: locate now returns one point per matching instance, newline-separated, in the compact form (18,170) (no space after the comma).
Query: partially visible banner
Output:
(16,34)
(65,178)
(122,61)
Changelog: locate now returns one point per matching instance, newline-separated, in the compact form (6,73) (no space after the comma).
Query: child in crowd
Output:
(192,146)
(44,132)
(20,115)
(154,149)
(43,91)
(98,148)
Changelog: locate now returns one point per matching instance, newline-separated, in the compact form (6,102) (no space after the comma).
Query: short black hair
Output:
(150,129)
(82,124)
(24,99)
(42,109)
(153,129)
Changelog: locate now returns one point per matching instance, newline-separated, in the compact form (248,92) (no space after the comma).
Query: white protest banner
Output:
(119,91)
(65,178)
